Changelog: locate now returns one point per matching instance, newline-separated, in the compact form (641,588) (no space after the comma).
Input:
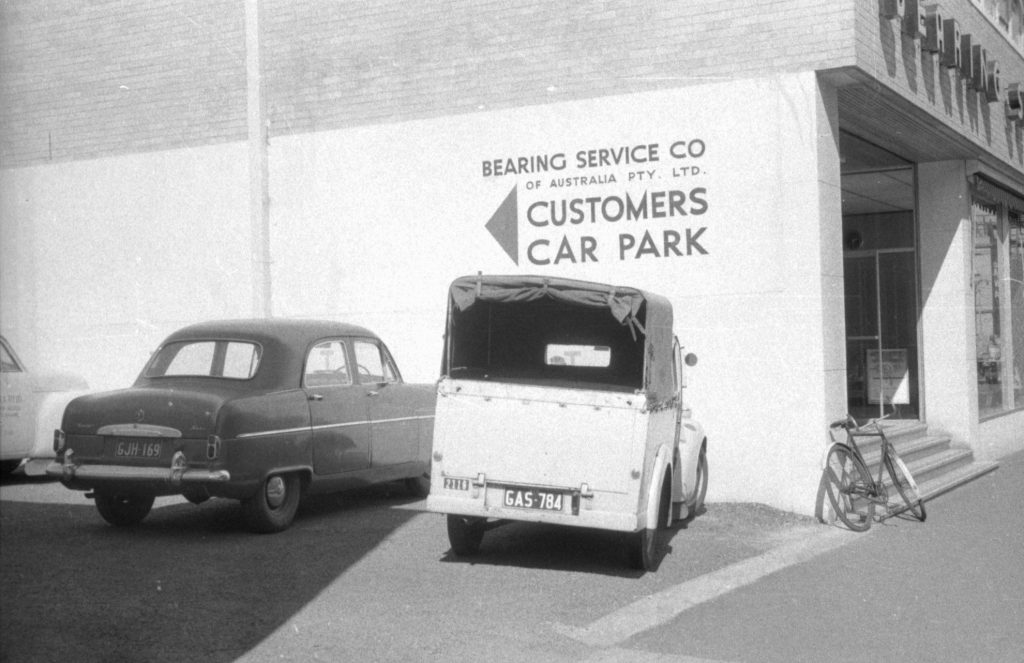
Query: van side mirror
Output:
(690,359)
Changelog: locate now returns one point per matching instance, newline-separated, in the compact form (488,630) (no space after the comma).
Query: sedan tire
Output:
(418,486)
(272,508)
(123,510)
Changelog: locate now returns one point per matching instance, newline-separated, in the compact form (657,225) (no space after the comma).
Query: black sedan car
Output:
(262,411)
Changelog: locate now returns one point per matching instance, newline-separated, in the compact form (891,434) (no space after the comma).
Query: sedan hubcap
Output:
(275,492)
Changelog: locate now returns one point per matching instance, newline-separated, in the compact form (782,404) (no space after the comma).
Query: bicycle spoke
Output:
(847,484)
(905,486)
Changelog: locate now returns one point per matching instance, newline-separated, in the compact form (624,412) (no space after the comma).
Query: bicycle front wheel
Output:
(905,484)
(849,487)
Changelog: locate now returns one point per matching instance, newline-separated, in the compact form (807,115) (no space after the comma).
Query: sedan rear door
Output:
(395,424)
(338,411)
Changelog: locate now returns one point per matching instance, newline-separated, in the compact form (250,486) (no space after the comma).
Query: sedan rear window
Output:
(219,359)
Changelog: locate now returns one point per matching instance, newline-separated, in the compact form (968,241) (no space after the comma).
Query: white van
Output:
(561,401)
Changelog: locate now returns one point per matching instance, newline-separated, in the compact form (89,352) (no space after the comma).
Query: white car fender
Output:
(663,459)
(48,417)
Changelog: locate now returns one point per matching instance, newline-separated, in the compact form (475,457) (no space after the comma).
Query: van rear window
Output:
(588,356)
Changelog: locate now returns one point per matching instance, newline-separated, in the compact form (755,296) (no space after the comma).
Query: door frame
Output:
(877,339)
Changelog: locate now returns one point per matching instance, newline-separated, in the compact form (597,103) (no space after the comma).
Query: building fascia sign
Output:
(965,55)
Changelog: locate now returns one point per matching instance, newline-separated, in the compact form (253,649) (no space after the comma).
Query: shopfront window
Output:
(986,307)
(998,280)
(1016,283)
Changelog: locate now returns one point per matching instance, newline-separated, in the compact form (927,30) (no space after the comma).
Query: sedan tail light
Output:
(212,447)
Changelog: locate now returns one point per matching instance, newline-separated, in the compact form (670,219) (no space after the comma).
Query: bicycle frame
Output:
(876,492)
(864,486)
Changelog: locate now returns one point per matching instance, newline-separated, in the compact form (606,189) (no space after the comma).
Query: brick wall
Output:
(83,79)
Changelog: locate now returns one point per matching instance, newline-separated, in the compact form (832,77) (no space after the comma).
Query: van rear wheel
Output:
(465,534)
(641,548)
(696,501)
(645,547)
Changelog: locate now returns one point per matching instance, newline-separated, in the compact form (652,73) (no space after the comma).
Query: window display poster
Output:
(888,377)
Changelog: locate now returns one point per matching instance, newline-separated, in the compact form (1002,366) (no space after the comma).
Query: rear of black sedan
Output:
(222,409)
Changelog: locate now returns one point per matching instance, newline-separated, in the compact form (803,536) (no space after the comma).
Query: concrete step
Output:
(928,467)
(936,464)
(910,449)
(899,434)
(947,481)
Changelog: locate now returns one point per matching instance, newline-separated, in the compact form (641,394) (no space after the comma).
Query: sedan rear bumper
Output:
(177,474)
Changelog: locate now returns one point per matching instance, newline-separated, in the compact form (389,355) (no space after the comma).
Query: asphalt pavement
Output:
(368,576)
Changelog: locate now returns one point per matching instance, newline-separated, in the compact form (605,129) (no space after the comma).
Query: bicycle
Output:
(852,490)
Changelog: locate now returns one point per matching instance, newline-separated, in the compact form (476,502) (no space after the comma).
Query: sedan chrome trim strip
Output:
(414,418)
(280,431)
(138,430)
(348,424)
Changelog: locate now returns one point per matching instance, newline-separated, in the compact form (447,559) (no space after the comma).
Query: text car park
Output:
(262,411)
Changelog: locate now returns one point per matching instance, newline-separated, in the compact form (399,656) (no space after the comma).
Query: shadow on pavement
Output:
(188,584)
(559,548)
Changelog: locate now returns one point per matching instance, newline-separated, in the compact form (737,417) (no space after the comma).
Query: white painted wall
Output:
(374,223)
(947,302)
(102,259)
(370,225)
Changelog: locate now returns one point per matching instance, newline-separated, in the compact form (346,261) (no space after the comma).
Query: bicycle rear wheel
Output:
(905,484)
(849,487)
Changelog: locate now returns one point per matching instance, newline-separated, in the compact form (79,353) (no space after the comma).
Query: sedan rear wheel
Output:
(418,486)
(123,510)
(273,507)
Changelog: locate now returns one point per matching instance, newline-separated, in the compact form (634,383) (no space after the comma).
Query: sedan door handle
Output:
(315,397)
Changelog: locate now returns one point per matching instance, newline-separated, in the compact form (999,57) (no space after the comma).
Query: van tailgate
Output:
(536,435)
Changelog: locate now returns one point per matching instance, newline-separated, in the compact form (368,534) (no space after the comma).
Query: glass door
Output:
(881,333)
(880,280)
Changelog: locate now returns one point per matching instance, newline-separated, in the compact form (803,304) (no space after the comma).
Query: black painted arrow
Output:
(504,226)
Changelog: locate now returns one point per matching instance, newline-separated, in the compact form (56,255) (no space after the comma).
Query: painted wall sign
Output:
(638,202)
(653,188)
